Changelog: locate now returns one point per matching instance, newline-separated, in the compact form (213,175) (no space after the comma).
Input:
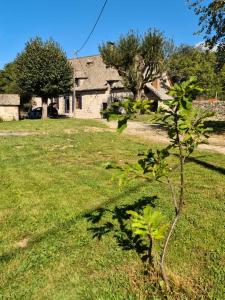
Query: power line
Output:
(87,39)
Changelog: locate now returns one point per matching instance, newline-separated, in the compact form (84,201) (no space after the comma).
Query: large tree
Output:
(187,61)
(212,25)
(137,59)
(8,83)
(211,20)
(43,70)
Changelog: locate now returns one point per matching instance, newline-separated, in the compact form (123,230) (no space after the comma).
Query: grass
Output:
(56,194)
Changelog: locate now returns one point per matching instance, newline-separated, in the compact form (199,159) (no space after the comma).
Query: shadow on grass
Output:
(118,225)
(207,165)
(62,226)
(217,126)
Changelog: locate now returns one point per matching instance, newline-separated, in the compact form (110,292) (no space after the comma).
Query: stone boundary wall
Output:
(218,107)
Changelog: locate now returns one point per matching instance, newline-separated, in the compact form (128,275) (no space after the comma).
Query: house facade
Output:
(95,86)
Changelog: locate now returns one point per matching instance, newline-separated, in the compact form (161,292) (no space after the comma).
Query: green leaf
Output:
(122,123)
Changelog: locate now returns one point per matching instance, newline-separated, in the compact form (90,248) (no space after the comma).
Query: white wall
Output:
(9,113)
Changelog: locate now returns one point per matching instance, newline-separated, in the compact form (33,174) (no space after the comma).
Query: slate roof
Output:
(94,71)
(96,76)
(9,100)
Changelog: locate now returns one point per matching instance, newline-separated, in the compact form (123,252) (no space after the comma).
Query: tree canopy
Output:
(138,59)
(8,83)
(212,25)
(211,20)
(187,61)
(42,70)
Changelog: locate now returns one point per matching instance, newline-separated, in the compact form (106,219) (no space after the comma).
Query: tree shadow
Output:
(207,165)
(118,225)
(61,227)
(216,125)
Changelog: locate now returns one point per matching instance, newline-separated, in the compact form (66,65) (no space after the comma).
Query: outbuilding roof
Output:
(160,92)
(9,100)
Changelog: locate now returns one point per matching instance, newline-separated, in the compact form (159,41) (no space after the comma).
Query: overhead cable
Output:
(87,39)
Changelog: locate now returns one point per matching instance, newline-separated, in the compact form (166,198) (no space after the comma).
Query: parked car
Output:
(36,113)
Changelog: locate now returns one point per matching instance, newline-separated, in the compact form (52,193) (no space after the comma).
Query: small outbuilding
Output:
(9,107)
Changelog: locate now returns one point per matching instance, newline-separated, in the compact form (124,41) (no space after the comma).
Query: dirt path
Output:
(155,133)
(17,133)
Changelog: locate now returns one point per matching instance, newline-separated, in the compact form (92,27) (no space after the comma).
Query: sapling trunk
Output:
(177,205)
(150,259)
(178,211)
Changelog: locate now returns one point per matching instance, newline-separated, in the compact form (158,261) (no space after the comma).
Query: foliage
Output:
(187,61)
(222,79)
(212,25)
(220,55)
(211,20)
(184,124)
(185,128)
(150,226)
(137,59)
(123,110)
(42,69)
(8,83)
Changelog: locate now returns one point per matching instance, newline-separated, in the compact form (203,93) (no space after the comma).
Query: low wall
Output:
(217,107)
(9,113)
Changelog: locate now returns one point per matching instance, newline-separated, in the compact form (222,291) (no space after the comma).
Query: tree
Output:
(222,80)
(211,20)
(186,130)
(187,61)
(8,83)
(212,25)
(43,70)
(137,59)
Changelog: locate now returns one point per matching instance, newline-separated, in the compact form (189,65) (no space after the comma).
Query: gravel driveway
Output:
(155,133)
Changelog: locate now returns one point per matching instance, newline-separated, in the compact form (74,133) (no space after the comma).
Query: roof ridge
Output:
(86,56)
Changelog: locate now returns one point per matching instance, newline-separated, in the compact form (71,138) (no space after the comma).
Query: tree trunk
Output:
(44,108)
(137,94)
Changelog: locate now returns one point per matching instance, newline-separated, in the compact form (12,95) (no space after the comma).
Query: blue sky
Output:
(70,21)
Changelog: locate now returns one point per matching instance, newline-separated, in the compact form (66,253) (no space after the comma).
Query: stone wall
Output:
(217,107)
(91,105)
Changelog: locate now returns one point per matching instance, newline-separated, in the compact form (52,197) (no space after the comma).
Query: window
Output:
(78,102)
(89,63)
(77,82)
(104,105)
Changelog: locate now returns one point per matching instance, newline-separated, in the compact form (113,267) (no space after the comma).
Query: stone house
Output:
(95,85)
(9,107)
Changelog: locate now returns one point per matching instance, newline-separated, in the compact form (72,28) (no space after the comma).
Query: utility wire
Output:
(87,39)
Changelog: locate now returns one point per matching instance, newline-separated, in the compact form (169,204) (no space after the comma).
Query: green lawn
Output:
(56,194)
